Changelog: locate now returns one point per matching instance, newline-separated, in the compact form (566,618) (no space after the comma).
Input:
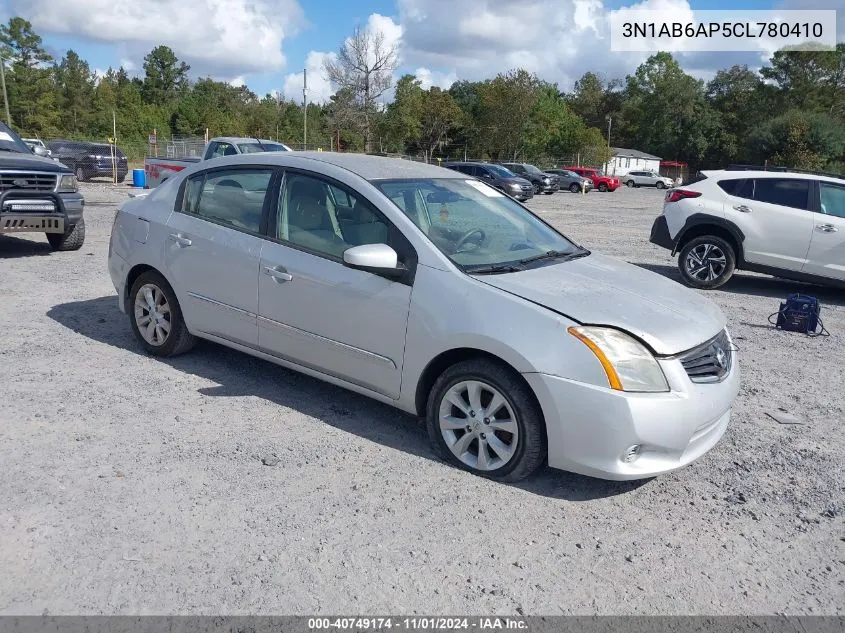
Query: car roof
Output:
(243,139)
(738,174)
(364,165)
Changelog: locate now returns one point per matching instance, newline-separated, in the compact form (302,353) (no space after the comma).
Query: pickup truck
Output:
(157,170)
(38,195)
(600,180)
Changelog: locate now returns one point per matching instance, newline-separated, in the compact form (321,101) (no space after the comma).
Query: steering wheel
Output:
(465,238)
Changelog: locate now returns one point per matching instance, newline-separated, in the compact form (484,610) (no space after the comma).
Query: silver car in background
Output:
(647,179)
(431,291)
(572,181)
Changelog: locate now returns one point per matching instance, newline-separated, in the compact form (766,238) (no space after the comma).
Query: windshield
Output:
(531,169)
(501,172)
(473,224)
(254,148)
(11,142)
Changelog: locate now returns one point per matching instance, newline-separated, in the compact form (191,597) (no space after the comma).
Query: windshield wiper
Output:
(8,149)
(494,269)
(565,255)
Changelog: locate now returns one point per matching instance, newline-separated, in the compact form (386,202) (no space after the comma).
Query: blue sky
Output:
(266,43)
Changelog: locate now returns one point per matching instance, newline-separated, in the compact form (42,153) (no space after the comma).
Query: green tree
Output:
(505,105)
(438,114)
(800,139)
(76,90)
(401,124)
(165,76)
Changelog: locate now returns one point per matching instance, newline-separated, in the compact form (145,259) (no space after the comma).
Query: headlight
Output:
(67,182)
(516,186)
(628,364)
(546,181)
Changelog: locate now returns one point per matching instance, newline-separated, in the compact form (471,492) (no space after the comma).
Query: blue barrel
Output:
(138,178)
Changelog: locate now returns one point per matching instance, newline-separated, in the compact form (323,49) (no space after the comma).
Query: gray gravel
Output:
(217,483)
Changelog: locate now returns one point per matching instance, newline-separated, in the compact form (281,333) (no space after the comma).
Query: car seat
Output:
(309,224)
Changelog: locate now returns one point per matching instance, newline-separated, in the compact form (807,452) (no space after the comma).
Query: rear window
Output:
(785,192)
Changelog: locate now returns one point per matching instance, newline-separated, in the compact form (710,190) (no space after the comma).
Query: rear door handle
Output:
(182,242)
(279,274)
(826,228)
(742,208)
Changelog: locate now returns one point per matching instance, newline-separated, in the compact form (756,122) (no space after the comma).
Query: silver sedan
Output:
(429,290)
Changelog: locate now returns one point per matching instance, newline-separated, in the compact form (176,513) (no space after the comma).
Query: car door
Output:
(315,311)
(213,249)
(773,215)
(826,256)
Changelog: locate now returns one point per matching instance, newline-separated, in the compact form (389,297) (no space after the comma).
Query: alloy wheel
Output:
(478,425)
(152,314)
(706,262)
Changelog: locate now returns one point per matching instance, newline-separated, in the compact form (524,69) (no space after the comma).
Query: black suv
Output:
(542,181)
(89,160)
(496,176)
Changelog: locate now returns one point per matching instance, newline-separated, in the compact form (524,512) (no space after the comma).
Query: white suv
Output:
(786,224)
(647,179)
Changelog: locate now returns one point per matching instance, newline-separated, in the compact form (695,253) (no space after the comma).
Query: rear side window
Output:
(234,198)
(739,187)
(785,192)
(832,199)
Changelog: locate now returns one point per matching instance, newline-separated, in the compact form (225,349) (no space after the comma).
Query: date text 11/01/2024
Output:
(722,29)
(417,623)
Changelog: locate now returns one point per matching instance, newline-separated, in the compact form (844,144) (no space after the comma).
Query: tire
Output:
(70,241)
(81,174)
(603,187)
(630,184)
(660,184)
(177,340)
(518,410)
(719,259)
(574,188)
(548,193)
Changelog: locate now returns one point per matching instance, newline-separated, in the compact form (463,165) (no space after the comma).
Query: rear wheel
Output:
(156,318)
(481,417)
(81,174)
(69,241)
(630,183)
(706,262)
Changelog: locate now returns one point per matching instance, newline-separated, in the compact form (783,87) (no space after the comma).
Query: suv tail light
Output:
(679,194)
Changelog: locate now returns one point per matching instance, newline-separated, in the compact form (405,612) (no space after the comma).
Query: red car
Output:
(600,181)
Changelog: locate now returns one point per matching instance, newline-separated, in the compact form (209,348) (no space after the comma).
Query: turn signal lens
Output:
(679,194)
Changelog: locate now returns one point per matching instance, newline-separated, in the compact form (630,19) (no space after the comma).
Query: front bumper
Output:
(118,271)
(39,211)
(590,428)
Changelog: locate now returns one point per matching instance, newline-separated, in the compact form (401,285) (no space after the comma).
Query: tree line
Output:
(791,112)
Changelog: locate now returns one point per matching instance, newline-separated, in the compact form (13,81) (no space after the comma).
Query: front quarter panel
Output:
(450,310)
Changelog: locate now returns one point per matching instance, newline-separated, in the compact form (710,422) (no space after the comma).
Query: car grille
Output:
(27,181)
(710,361)
(527,188)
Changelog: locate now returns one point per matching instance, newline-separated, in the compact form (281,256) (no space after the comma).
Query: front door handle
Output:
(279,274)
(742,208)
(182,242)
(826,228)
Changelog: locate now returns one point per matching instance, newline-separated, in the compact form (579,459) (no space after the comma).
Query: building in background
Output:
(625,160)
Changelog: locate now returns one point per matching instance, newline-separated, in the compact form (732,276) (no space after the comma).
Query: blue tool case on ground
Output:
(799,313)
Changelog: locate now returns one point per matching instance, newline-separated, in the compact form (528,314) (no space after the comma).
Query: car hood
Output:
(19,160)
(599,290)
(518,181)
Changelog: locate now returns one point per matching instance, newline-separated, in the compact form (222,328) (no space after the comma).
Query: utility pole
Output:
(5,94)
(609,121)
(304,109)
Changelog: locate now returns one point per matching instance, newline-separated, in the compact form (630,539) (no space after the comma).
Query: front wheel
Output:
(156,318)
(660,184)
(481,417)
(706,262)
(574,188)
(70,241)
(603,188)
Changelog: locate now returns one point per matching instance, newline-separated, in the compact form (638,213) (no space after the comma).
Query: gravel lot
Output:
(133,485)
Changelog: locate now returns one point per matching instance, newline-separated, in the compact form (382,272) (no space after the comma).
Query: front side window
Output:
(832,199)
(234,198)
(327,219)
(785,192)
(475,225)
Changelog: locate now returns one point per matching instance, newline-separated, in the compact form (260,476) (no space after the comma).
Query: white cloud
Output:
(319,87)
(221,37)
(128,65)
(429,78)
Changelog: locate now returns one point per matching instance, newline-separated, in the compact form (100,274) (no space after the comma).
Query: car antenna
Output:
(260,144)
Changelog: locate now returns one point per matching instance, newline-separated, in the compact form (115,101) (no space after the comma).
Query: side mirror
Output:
(40,150)
(379,259)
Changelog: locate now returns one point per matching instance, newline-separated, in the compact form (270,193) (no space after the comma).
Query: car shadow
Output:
(238,374)
(761,286)
(11,247)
